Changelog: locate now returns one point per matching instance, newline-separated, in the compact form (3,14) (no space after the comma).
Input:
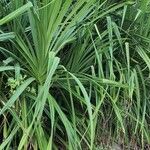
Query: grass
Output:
(74,74)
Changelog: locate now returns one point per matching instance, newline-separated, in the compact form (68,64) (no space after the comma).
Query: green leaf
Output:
(16,13)
(16,95)
(7,36)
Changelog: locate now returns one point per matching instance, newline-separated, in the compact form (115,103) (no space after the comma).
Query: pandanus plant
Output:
(34,36)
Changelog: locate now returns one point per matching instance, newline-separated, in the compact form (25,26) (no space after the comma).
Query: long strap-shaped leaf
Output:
(89,107)
(69,129)
(16,95)
(42,96)
(16,13)
(7,36)
(6,68)
(9,138)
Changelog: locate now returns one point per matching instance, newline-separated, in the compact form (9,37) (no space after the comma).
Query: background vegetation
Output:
(74,74)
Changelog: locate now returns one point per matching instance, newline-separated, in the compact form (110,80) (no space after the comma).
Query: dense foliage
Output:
(74,74)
